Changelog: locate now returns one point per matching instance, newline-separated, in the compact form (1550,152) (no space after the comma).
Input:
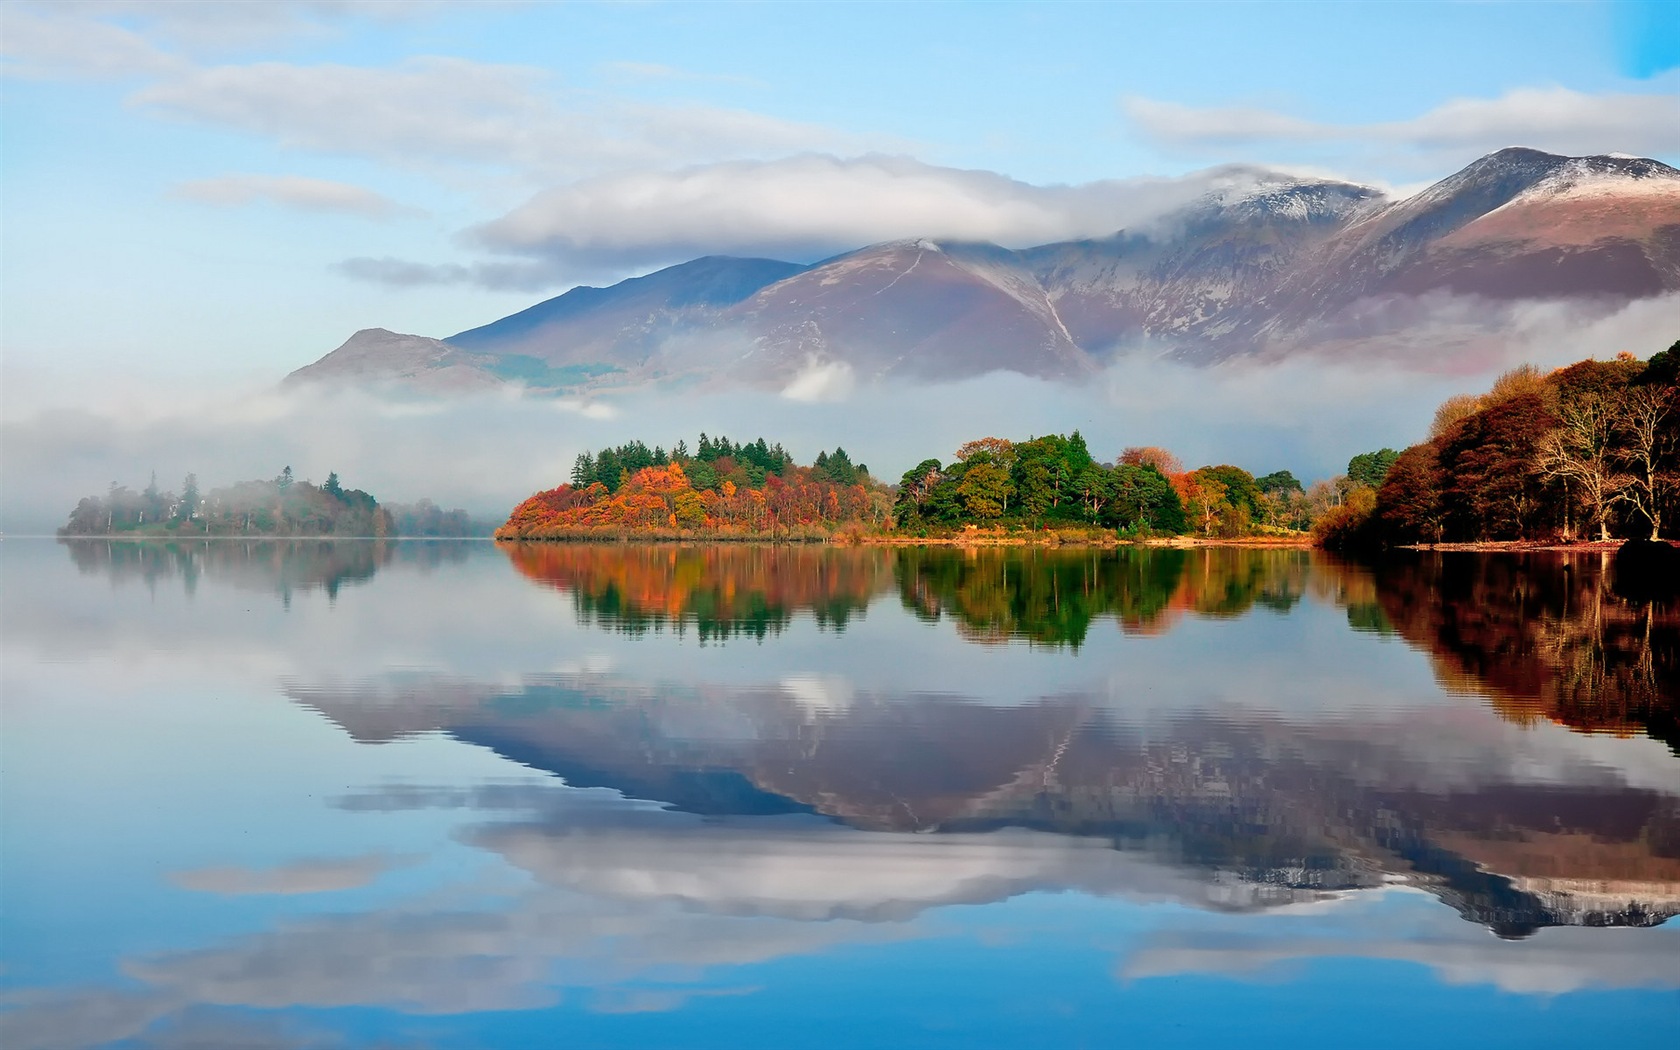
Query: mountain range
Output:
(1285,265)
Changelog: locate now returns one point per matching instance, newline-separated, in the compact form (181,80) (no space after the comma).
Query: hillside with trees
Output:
(1588,452)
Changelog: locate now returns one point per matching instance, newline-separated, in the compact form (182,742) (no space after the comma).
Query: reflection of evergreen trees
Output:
(281,567)
(1051,596)
(1046,596)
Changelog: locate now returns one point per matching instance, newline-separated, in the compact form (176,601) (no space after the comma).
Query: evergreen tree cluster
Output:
(712,462)
(281,506)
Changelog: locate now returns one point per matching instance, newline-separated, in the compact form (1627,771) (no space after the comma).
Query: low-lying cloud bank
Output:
(812,205)
(487,451)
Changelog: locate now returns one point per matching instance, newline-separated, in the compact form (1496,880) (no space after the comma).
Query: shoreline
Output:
(974,540)
(1179,542)
(966,540)
(1495,546)
(165,537)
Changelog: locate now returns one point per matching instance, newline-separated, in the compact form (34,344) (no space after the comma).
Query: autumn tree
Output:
(985,488)
(1491,491)
(1204,499)
(1644,424)
(1151,456)
(1409,500)
(1453,410)
(1242,495)
(1579,454)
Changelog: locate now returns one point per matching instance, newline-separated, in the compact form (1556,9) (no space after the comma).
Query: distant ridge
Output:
(1284,266)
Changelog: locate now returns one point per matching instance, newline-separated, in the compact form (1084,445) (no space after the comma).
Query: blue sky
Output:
(231,189)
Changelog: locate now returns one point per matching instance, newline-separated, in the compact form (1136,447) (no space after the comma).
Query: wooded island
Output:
(1590,451)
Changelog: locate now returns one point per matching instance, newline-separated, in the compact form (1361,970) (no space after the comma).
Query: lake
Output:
(448,794)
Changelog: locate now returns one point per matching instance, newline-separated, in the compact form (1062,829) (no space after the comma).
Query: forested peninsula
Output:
(281,506)
(1041,486)
(1586,452)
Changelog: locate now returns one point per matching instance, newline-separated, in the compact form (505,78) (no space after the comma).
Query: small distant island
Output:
(282,506)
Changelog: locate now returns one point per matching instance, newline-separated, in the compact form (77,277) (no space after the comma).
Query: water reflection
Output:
(281,567)
(1543,635)
(722,591)
(1188,763)
(1252,810)
(1053,596)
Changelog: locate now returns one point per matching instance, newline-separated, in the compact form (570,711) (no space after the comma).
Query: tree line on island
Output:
(753,490)
(721,490)
(281,506)
(1588,451)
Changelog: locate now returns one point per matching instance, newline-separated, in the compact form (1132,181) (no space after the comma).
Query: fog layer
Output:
(485,452)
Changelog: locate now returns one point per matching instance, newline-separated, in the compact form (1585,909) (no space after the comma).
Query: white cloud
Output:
(822,381)
(534,276)
(1553,962)
(430,109)
(809,205)
(426,961)
(425,107)
(39,47)
(207,26)
(1553,118)
(293,191)
(821,874)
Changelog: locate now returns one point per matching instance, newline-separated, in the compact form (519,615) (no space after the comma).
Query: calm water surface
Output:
(452,795)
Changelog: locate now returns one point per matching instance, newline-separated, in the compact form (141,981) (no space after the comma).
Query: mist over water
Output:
(484,452)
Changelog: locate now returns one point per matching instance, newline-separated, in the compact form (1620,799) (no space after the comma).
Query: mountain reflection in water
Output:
(468,795)
(1539,633)
(1265,808)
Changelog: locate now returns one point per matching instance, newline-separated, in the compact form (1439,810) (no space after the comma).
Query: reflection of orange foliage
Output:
(725,584)
(1228,581)
(662,497)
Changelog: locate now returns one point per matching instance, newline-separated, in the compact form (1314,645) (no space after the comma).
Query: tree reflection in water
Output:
(1541,635)
(721,590)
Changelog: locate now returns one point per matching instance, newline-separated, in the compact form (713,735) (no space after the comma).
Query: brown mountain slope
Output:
(917,308)
(1275,266)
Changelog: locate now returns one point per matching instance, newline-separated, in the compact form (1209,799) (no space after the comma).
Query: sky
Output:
(209,195)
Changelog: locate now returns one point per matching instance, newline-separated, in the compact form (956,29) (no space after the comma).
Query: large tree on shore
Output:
(1580,454)
(1646,439)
